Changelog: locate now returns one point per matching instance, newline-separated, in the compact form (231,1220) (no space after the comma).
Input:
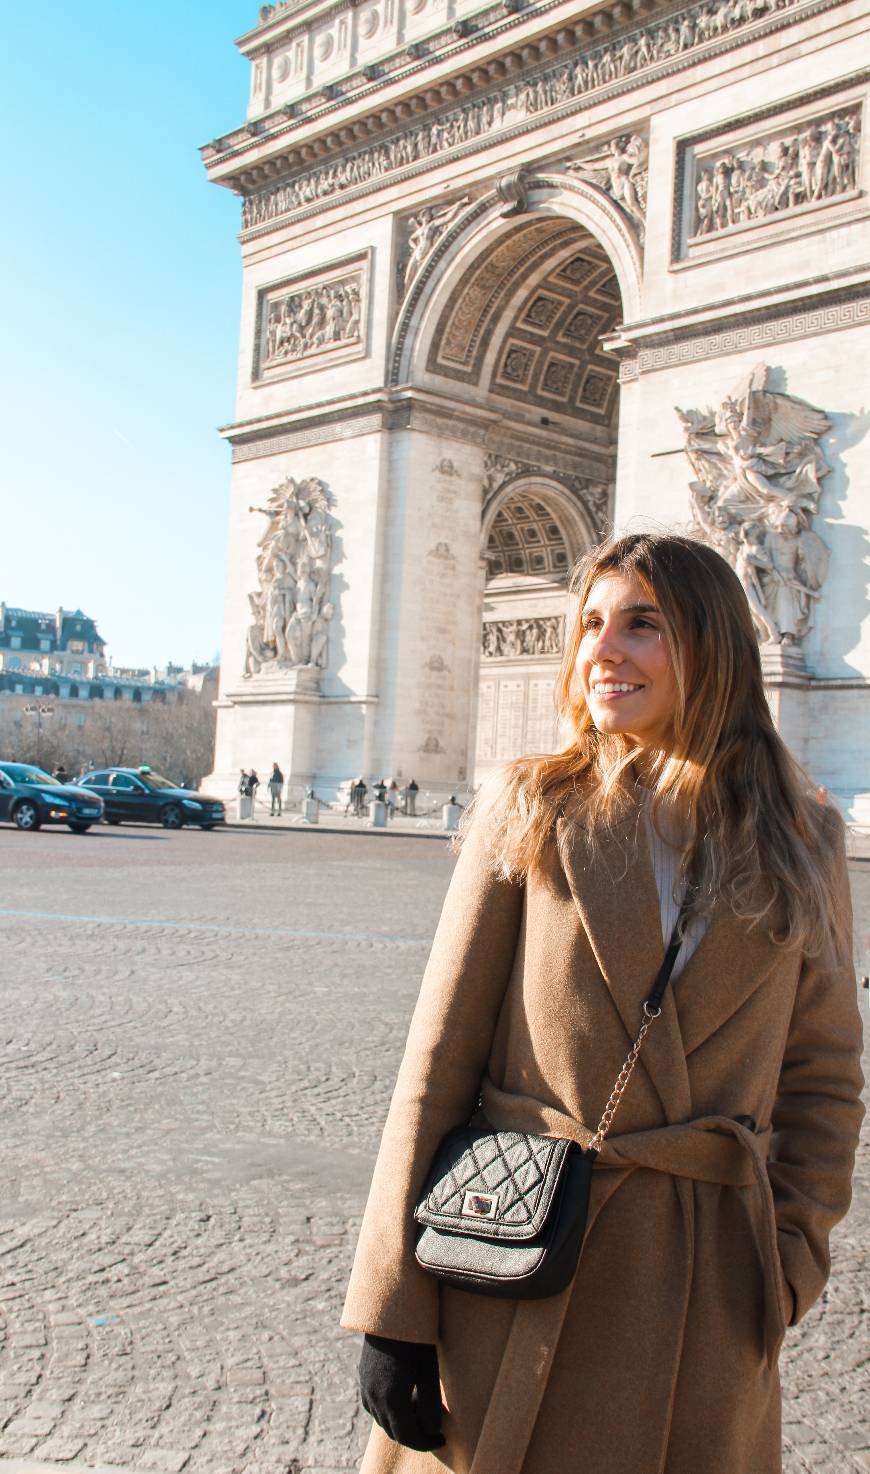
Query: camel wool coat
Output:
(729,1162)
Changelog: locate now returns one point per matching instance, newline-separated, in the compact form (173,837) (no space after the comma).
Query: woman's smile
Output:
(624,663)
(612,690)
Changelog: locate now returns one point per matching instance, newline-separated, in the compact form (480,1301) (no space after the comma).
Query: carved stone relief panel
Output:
(622,171)
(758,467)
(749,179)
(510,639)
(312,320)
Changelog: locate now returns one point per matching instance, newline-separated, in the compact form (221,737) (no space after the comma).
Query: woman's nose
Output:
(606,645)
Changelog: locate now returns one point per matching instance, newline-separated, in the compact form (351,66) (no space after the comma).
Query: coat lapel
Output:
(731,962)
(615,893)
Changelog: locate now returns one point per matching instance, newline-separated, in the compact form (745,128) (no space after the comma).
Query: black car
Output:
(138,796)
(31,798)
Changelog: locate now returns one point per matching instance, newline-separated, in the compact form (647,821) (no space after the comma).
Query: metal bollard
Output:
(246,806)
(311,810)
(450,817)
(378,814)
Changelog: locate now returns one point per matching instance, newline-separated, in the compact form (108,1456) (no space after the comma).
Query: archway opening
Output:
(513,407)
(519,334)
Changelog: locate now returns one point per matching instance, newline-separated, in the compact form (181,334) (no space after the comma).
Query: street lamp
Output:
(36,709)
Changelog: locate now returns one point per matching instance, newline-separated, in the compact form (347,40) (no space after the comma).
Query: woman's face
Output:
(623,664)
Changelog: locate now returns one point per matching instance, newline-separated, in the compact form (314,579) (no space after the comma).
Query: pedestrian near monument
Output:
(392,799)
(253,784)
(276,789)
(644,958)
(358,796)
(409,802)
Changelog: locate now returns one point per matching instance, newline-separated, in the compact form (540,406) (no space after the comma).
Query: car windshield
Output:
(154,780)
(23,773)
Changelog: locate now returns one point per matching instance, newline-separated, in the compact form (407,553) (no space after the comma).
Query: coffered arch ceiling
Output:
(525,320)
(527,539)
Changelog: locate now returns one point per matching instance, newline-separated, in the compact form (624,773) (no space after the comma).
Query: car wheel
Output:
(113,821)
(206,826)
(78,828)
(26,815)
(172,817)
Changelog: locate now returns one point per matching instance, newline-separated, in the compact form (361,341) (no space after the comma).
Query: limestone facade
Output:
(488,251)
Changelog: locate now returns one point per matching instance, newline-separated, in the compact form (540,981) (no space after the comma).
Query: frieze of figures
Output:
(771,174)
(505,638)
(511,104)
(758,468)
(309,321)
(291,610)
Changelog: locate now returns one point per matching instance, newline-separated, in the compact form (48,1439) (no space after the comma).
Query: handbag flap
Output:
(492,1184)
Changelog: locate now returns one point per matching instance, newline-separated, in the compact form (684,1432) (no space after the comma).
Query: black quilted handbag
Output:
(504,1212)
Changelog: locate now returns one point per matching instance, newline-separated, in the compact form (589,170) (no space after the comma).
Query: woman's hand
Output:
(401,1391)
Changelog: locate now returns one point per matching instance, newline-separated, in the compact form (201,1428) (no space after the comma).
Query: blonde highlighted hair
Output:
(757,836)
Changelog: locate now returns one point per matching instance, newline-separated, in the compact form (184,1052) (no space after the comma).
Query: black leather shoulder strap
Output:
(664,973)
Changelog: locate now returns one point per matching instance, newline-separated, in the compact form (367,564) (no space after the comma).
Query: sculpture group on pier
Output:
(759,469)
(291,609)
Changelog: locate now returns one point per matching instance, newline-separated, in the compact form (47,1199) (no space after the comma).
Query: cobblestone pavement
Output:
(198,1038)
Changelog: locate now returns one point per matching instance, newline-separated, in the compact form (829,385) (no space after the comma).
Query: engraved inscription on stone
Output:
(486,721)
(540,718)
(510,719)
(774,172)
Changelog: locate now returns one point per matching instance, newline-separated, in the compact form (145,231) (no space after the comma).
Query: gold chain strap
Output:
(650,1014)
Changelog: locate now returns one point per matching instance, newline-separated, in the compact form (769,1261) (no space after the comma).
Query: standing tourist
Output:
(392,799)
(276,789)
(358,796)
(410,804)
(253,785)
(720,1164)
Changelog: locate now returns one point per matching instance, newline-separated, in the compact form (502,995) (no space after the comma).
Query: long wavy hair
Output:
(756,834)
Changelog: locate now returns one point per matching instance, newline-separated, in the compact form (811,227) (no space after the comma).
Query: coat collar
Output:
(614,889)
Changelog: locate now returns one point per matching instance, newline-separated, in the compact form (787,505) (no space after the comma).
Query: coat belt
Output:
(712,1149)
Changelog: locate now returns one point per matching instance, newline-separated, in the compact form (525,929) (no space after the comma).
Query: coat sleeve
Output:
(437,1089)
(818,1110)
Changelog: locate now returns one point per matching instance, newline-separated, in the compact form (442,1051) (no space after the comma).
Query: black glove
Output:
(401,1391)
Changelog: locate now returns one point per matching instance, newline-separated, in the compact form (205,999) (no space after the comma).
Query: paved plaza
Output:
(198,1038)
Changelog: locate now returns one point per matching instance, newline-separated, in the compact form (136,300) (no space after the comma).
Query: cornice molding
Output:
(306,193)
(762,327)
(414,58)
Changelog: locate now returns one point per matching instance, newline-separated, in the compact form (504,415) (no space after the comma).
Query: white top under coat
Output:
(666,863)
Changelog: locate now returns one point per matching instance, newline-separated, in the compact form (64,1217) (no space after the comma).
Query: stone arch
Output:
(483,225)
(575,521)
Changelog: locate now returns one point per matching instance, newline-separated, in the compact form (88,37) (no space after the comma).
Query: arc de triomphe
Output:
(488,250)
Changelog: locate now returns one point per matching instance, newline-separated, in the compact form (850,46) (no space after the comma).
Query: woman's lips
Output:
(613,694)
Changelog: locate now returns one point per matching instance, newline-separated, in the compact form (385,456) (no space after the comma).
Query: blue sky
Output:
(120,299)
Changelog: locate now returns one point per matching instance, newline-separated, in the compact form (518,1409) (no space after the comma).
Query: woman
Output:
(731,1154)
